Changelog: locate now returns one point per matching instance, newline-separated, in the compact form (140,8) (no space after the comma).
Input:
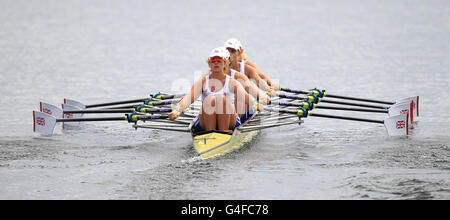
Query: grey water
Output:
(98,51)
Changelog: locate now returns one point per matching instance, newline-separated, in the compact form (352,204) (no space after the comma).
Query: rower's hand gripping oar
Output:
(395,126)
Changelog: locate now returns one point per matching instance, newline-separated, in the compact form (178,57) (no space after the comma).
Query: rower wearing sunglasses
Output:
(218,92)
(247,67)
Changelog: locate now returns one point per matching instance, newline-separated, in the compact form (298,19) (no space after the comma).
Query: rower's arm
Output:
(260,73)
(191,96)
(240,92)
(265,77)
(269,82)
(251,88)
(253,74)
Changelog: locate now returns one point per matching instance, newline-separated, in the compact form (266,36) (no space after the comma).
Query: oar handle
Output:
(152,102)
(167,96)
(145,109)
(294,91)
(317,92)
(135,117)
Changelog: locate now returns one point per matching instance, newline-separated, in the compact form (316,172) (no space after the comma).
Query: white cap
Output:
(233,43)
(220,52)
(226,52)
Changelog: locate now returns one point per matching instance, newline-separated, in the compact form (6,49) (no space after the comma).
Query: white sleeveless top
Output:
(224,91)
(233,73)
(242,67)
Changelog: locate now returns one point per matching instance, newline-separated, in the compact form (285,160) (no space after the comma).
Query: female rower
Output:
(244,111)
(235,46)
(218,93)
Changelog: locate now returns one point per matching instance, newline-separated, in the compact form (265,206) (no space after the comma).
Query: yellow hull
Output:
(217,143)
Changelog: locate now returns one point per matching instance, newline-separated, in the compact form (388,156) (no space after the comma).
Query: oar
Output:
(397,109)
(396,125)
(393,110)
(153,97)
(45,124)
(310,106)
(150,103)
(141,109)
(68,111)
(322,93)
(315,99)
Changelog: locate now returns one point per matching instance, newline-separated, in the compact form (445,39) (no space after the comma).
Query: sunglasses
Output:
(215,59)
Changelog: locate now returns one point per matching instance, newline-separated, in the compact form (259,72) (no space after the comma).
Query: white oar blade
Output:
(51,110)
(415,99)
(68,125)
(67,107)
(397,125)
(43,123)
(403,109)
(74,103)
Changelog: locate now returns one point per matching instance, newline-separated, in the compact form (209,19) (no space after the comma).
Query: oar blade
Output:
(43,123)
(71,108)
(51,110)
(415,100)
(74,103)
(402,109)
(70,115)
(397,126)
